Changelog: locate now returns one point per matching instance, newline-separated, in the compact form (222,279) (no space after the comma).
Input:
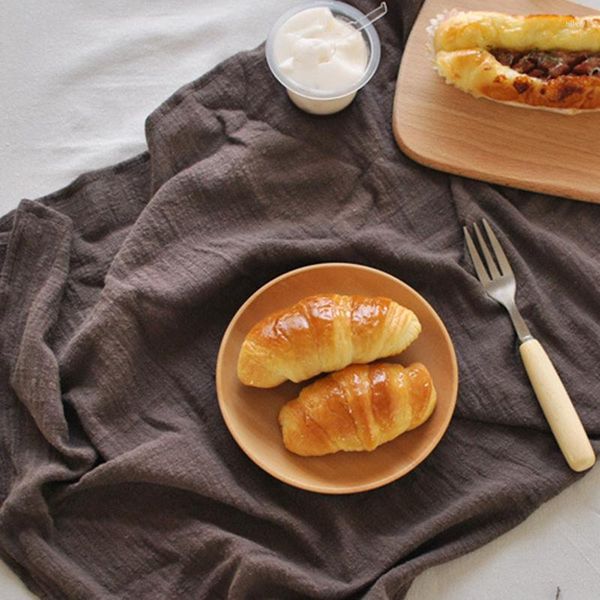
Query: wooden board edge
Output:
(554,190)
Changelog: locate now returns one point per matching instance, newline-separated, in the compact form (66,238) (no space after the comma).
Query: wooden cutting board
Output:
(441,127)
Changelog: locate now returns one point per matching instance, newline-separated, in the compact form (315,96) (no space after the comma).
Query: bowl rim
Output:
(334,489)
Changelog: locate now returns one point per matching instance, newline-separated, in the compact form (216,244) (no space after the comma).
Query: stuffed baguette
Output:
(538,61)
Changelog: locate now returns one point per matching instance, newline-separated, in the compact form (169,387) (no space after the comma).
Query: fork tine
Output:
(479,268)
(500,256)
(492,268)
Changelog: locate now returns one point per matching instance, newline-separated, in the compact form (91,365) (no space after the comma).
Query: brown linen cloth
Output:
(119,478)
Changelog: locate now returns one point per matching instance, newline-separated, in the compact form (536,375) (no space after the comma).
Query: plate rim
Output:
(324,489)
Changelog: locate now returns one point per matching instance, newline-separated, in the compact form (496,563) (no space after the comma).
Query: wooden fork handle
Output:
(557,406)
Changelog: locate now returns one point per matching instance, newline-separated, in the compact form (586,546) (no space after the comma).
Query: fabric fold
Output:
(32,283)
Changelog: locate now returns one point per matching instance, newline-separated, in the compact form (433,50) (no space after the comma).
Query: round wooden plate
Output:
(251,413)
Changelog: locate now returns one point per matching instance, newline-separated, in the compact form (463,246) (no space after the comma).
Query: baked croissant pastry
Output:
(324,333)
(357,408)
(538,61)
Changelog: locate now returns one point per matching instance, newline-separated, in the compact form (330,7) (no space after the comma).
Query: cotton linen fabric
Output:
(118,476)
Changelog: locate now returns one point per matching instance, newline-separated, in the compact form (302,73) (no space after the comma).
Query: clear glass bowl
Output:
(317,101)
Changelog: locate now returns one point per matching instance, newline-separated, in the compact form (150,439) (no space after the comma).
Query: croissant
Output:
(324,333)
(550,62)
(358,408)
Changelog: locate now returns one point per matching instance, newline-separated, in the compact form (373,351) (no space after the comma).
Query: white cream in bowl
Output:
(320,57)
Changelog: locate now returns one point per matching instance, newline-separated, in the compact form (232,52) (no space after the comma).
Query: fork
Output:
(498,280)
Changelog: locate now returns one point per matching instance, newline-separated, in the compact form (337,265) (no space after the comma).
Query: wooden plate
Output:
(441,127)
(251,413)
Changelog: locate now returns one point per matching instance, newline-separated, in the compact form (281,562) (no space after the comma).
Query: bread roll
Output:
(357,408)
(324,333)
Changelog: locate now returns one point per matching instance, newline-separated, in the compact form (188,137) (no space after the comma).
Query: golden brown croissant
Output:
(357,408)
(538,61)
(324,333)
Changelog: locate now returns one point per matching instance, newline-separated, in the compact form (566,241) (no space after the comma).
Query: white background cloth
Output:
(76,83)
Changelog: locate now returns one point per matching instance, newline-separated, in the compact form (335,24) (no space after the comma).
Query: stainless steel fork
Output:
(499,282)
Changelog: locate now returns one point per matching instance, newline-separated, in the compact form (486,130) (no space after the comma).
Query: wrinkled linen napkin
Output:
(118,476)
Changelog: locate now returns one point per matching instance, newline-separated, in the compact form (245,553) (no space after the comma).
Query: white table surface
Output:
(77,80)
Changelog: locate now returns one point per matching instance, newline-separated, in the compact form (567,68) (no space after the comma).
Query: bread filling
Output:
(549,64)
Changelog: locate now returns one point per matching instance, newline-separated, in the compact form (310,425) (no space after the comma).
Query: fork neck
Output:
(519,324)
